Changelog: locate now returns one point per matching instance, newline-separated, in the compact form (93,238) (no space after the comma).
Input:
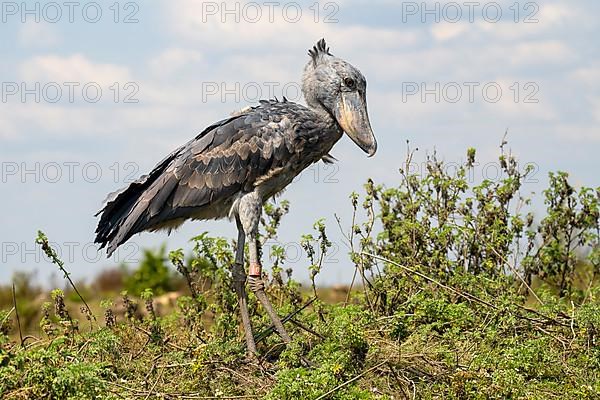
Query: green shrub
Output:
(459,293)
(152,273)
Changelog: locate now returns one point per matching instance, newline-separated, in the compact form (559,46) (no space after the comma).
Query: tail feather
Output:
(123,213)
(141,205)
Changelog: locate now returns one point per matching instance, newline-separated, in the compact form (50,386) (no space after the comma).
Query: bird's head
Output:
(340,88)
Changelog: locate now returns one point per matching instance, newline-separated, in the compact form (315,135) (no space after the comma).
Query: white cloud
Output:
(460,61)
(75,68)
(589,76)
(595,102)
(189,20)
(8,127)
(507,31)
(579,132)
(532,23)
(40,34)
(172,60)
(551,15)
(519,103)
(541,53)
(80,118)
(369,39)
(446,31)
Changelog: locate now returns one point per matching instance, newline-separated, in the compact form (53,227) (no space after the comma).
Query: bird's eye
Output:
(349,83)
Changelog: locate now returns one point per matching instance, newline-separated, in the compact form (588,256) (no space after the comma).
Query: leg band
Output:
(255,269)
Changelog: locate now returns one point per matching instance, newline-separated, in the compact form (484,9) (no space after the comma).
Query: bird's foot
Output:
(256,283)
(258,287)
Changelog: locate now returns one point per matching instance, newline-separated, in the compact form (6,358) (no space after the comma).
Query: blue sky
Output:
(59,160)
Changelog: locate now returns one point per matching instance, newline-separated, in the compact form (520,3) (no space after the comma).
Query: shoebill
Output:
(235,165)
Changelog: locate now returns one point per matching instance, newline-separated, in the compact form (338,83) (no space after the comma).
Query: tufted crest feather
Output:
(319,51)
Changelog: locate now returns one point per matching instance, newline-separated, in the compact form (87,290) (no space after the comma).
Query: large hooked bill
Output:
(351,113)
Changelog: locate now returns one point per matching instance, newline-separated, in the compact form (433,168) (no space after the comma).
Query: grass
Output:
(482,343)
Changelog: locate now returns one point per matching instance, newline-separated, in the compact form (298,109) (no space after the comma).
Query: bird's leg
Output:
(249,210)
(239,283)
(258,287)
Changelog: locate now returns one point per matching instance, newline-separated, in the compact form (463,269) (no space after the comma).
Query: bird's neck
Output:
(331,131)
(324,114)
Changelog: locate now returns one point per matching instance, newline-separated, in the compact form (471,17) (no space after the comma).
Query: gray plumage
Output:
(261,149)
(232,167)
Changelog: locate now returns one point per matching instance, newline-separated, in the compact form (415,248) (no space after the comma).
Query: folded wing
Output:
(199,179)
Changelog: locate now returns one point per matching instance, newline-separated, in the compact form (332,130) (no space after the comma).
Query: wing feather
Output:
(202,176)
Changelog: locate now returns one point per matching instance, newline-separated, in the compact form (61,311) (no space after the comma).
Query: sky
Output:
(94,94)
